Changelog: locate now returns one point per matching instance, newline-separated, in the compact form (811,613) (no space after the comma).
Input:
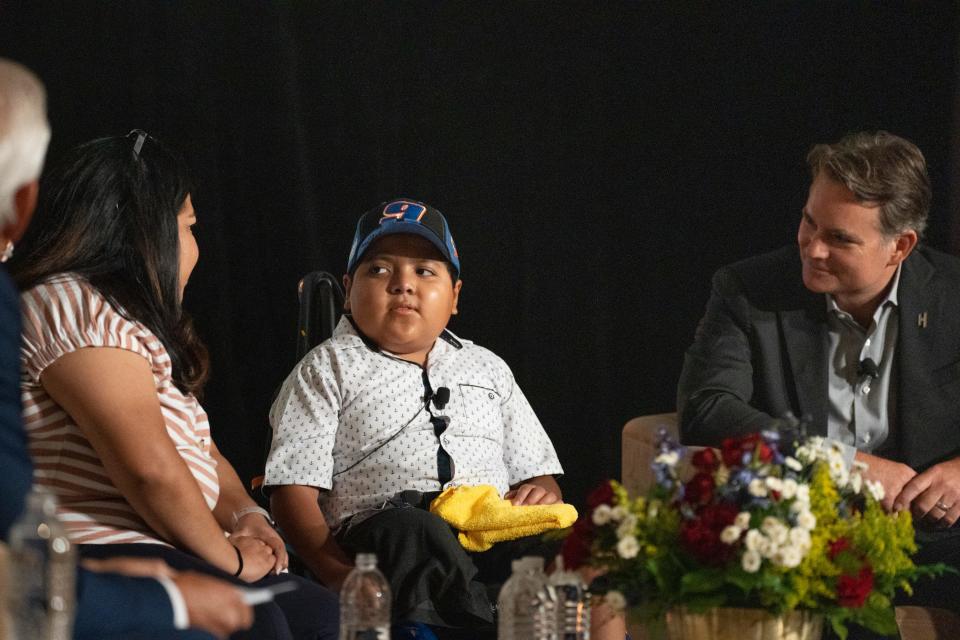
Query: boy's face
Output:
(401,295)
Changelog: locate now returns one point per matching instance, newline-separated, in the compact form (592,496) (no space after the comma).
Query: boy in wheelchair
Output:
(374,423)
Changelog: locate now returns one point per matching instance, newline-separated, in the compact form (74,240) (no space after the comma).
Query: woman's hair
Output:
(108,212)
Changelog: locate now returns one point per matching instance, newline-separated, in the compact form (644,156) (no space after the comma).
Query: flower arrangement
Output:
(767,522)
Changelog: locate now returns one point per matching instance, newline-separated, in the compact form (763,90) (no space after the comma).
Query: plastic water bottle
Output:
(526,604)
(573,605)
(365,602)
(43,572)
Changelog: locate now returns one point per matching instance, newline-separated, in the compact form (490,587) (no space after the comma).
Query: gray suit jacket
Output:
(761,350)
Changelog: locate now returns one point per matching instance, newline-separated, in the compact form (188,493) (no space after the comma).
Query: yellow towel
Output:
(484,518)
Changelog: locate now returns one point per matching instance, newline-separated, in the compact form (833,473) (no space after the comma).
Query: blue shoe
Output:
(412,631)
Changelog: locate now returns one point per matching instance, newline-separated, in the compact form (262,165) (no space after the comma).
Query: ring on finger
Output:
(943,507)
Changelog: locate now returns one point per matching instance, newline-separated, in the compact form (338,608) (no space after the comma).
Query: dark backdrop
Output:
(597,162)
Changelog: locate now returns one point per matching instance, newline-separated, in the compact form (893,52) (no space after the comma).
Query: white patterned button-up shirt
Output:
(352,419)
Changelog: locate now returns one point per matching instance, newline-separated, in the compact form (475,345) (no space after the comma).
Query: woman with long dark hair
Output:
(112,375)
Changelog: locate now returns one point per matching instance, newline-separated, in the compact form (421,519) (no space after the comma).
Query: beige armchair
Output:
(638,450)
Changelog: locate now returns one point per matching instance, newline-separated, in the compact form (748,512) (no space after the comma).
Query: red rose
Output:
(706,460)
(837,547)
(719,516)
(700,541)
(700,537)
(852,591)
(576,546)
(575,551)
(699,489)
(601,495)
(764,452)
(731,452)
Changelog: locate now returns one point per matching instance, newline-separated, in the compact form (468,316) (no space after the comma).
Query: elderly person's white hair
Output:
(24,132)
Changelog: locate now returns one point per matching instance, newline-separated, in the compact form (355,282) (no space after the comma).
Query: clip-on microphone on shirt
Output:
(867,372)
(439,398)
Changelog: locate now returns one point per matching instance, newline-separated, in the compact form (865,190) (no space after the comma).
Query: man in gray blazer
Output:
(856,328)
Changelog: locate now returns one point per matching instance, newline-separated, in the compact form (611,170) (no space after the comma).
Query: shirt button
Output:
(867,342)
(866,437)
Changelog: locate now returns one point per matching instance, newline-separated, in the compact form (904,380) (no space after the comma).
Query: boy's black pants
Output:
(434,580)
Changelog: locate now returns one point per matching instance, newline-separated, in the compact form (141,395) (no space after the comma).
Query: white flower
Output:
(856,482)
(775,530)
(839,473)
(615,600)
(859,465)
(750,561)
(806,520)
(757,488)
(753,540)
(875,489)
(792,463)
(627,526)
(617,513)
(774,483)
(769,524)
(800,538)
(668,458)
(766,548)
(789,489)
(653,509)
(601,515)
(803,493)
(730,534)
(742,520)
(788,557)
(628,547)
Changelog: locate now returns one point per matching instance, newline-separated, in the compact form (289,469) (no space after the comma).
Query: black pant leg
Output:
(433,579)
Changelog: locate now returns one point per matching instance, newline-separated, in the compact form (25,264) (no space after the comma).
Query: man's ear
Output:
(347,283)
(903,245)
(456,296)
(24,202)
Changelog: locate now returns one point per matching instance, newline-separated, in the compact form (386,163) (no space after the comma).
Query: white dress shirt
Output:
(861,409)
(353,420)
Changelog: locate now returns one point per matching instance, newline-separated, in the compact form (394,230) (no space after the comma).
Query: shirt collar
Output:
(891,299)
(348,332)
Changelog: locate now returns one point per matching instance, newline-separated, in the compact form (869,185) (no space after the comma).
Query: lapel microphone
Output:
(868,371)
(441,398)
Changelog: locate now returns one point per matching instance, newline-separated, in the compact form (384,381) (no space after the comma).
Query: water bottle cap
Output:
(527,563)
(366,561)
(40,499)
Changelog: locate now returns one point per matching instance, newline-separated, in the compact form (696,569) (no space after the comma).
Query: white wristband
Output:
(247,511)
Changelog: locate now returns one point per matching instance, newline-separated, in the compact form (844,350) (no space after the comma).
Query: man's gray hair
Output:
(24,132)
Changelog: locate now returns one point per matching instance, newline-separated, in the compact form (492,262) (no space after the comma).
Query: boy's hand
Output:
(528,494)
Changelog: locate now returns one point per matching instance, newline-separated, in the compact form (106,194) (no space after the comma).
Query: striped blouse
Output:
(60,316)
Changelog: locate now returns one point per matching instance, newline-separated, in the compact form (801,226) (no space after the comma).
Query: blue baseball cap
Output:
(403,216)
